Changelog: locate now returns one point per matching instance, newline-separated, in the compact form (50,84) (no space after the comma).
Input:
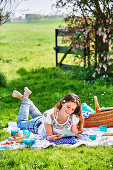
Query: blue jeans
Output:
(27,107)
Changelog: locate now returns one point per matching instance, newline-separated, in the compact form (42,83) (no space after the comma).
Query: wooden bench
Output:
(67,49)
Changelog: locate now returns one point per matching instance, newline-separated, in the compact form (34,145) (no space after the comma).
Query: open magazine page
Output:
(67,133)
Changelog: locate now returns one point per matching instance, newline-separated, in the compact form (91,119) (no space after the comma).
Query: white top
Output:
(48,117)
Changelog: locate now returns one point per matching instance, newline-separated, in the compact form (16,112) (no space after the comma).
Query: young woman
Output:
(66,114)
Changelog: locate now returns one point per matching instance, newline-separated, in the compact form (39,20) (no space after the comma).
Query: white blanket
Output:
(42,143)
(100,139)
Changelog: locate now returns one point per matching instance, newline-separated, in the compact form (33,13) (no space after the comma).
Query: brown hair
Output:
(71,97)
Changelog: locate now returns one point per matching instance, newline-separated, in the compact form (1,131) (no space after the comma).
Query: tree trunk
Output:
(88,48)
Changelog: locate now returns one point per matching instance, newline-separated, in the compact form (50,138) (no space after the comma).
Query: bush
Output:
(3,80)
(22,71)
(87,74)
(82,73)
(78,73)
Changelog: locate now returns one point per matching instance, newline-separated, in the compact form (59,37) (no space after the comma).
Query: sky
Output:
(35,6)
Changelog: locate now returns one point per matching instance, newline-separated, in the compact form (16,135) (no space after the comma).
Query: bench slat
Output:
(64,49)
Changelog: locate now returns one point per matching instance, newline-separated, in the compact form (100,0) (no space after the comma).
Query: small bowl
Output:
(92,137)
(29,141)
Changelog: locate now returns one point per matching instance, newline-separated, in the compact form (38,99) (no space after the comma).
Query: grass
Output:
(26,64)
(28,45)
(59,158)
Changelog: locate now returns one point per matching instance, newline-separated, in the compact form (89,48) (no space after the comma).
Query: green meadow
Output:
(27,45)
(27,58)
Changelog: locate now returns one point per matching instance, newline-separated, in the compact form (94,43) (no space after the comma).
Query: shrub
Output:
(22,71)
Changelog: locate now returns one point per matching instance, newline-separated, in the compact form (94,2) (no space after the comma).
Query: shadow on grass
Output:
(49,85)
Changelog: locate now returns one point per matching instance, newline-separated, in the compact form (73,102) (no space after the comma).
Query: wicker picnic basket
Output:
(103,116)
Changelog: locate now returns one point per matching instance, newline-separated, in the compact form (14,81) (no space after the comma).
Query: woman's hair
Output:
(71,97)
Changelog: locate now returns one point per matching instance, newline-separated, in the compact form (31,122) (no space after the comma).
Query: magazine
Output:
(65,133)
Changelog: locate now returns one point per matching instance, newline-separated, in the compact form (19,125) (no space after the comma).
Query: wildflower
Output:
(88,21)
(94,74)
(109,41)
(108,30)
(99,33)
(110,21)
(108,56)
(104,58)
(65,166)
(97,69)
(105,68)
(104,40)
(105,36)
(109,63)
(100,29)
(100,65)
(77,46)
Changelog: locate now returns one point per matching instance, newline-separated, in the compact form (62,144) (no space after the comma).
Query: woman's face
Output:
(68,107)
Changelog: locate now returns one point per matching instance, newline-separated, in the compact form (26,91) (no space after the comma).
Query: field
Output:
(27,45)
(27,59)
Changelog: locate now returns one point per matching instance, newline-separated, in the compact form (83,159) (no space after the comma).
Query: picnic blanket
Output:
(43,143)
(100,139)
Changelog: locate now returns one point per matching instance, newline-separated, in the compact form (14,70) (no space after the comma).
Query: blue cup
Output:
(85,107)
(26,133)
(103,128)
(92,137)
(14,131)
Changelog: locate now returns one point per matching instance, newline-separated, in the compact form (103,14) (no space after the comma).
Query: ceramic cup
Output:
(26,133)
(92,137)
(103,128)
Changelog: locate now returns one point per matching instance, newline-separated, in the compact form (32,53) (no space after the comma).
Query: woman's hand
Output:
(49,133)
(54,137)
(74,129)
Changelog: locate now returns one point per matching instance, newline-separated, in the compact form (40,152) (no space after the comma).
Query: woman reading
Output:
(66,114)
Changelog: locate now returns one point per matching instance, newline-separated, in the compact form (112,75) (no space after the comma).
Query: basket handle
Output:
(96,104)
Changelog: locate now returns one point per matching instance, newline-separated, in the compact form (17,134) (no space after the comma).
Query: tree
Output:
(94,20)
(6,8)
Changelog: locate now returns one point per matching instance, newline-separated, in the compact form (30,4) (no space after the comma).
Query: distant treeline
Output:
(34,17)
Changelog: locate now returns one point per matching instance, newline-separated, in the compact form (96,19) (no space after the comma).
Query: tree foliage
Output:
(93,19)
(6,8)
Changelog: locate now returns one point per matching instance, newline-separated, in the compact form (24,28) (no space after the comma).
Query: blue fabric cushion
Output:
(69,140)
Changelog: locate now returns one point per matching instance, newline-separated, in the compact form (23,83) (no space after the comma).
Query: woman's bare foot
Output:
(17,94)
(27,92)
